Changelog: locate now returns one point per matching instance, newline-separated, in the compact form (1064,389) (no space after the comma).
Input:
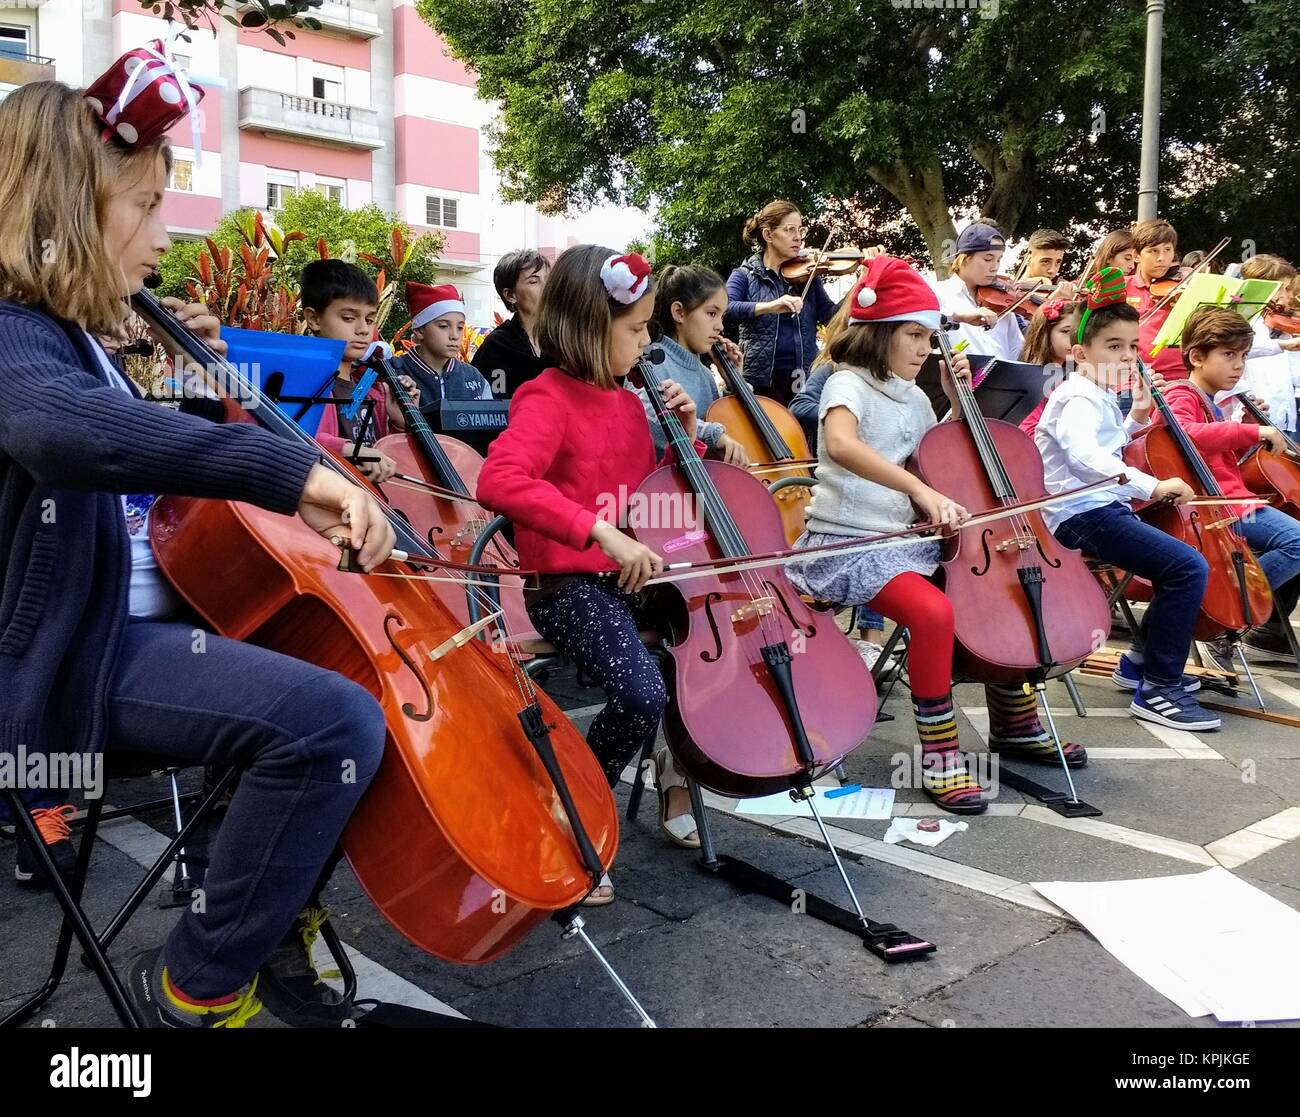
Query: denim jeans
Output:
(1275,538)
(308,741)
(1176,572)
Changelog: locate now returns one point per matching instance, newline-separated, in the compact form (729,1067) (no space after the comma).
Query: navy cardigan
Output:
(69,441)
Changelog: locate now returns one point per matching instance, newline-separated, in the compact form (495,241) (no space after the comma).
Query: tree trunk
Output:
(921,192)
(1013,180)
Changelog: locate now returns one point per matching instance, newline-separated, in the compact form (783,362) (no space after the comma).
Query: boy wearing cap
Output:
(980,248)
(437,325)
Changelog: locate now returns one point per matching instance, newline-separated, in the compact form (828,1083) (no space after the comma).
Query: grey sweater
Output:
(693,375)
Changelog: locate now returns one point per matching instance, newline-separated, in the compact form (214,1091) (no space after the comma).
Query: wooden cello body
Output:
(1024,606)
(989,573)
(770,435)
(765,691)
(464,839)
(1275,477)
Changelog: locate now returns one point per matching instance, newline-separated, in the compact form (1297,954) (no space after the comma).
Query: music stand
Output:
(1009,391)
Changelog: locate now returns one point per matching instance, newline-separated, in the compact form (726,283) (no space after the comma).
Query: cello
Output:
(489,813)
(448,524)
(1237,595)
(770,436)
(1024,605)
(788,713)
(1275,477)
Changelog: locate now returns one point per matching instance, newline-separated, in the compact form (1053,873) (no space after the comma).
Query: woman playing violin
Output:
(980,248)
(778,324)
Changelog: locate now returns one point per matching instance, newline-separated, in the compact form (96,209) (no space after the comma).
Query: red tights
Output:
(921,607)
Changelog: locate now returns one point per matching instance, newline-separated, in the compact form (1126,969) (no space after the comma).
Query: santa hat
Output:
(626,278)
(427,303)
(891,290)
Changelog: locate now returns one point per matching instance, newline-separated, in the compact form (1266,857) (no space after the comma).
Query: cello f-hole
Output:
(985,536)
(808,631)
(1055,564)
(407,708)
(711,599)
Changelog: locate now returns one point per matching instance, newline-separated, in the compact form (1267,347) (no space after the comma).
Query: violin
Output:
(1275,477)
(1283,317)
(1024,605)
(764,693)
(488,812)
(1169,286)
(1237,596)
(449,524)
(1005,295)
(770,436)
(803,267)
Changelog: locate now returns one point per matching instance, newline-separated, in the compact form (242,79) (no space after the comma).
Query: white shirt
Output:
(1080,435)
(892,416)
(151,595)
(1003,341)
(1271,373)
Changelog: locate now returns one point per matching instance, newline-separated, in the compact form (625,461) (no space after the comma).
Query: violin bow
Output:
(1038,286)
(1178,287)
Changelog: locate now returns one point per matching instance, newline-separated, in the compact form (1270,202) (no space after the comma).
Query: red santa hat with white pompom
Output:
(891,290)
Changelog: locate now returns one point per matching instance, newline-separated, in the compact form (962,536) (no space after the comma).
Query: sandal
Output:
(680,830)
(601,895)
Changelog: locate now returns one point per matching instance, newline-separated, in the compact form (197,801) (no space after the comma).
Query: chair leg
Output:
(143,889)
(1072,689)
(340,955)
(645,757)
(74,922)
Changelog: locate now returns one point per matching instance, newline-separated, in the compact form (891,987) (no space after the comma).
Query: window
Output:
(440,211)
(323,89)
(182,177)
(15,41)
(279,186)
(333,188)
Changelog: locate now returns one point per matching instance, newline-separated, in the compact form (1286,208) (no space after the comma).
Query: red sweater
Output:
(1169,361)
(570,450)
(1220,442)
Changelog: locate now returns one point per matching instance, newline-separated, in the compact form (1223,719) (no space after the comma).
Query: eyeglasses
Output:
(793,230)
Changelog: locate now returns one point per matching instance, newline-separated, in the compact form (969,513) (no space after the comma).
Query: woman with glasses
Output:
(778,327)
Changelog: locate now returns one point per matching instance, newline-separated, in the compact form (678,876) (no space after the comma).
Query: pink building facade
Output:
(369,109)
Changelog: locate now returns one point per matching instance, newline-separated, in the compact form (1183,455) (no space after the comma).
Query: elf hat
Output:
(1103,289)
(891,290)
(427,303)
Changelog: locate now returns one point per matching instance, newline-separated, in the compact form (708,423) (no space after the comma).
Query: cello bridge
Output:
(756,607)
(1017,543)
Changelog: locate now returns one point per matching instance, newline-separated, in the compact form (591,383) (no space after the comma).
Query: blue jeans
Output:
(865,618)
(1176,572)
(308,741)
(1275,538)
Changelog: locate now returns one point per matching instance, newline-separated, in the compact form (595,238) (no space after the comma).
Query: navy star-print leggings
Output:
(598,626)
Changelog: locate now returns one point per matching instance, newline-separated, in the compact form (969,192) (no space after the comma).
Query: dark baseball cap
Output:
(980,238)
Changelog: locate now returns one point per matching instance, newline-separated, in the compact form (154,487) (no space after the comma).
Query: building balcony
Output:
(309,118)
(355,19)
(19,69)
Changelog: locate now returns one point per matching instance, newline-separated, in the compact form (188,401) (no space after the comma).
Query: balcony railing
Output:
(309,118)
(19,69)
(355,18)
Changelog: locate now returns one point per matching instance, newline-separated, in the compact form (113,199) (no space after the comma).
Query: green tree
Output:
(1024,112)
(274,17)
(348,234)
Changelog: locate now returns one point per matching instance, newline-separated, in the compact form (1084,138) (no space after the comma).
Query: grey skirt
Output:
(855,578)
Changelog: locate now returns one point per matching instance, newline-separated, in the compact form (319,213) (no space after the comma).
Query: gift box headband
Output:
(145,92)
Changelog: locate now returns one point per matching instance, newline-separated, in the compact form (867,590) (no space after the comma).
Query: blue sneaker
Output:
(1128,676)
(1174,707)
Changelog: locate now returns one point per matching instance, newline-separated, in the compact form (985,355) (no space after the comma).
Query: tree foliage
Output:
(892,115)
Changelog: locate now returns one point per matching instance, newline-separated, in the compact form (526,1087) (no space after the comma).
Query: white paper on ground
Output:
(906,830)
(1208,941)
(867,803)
